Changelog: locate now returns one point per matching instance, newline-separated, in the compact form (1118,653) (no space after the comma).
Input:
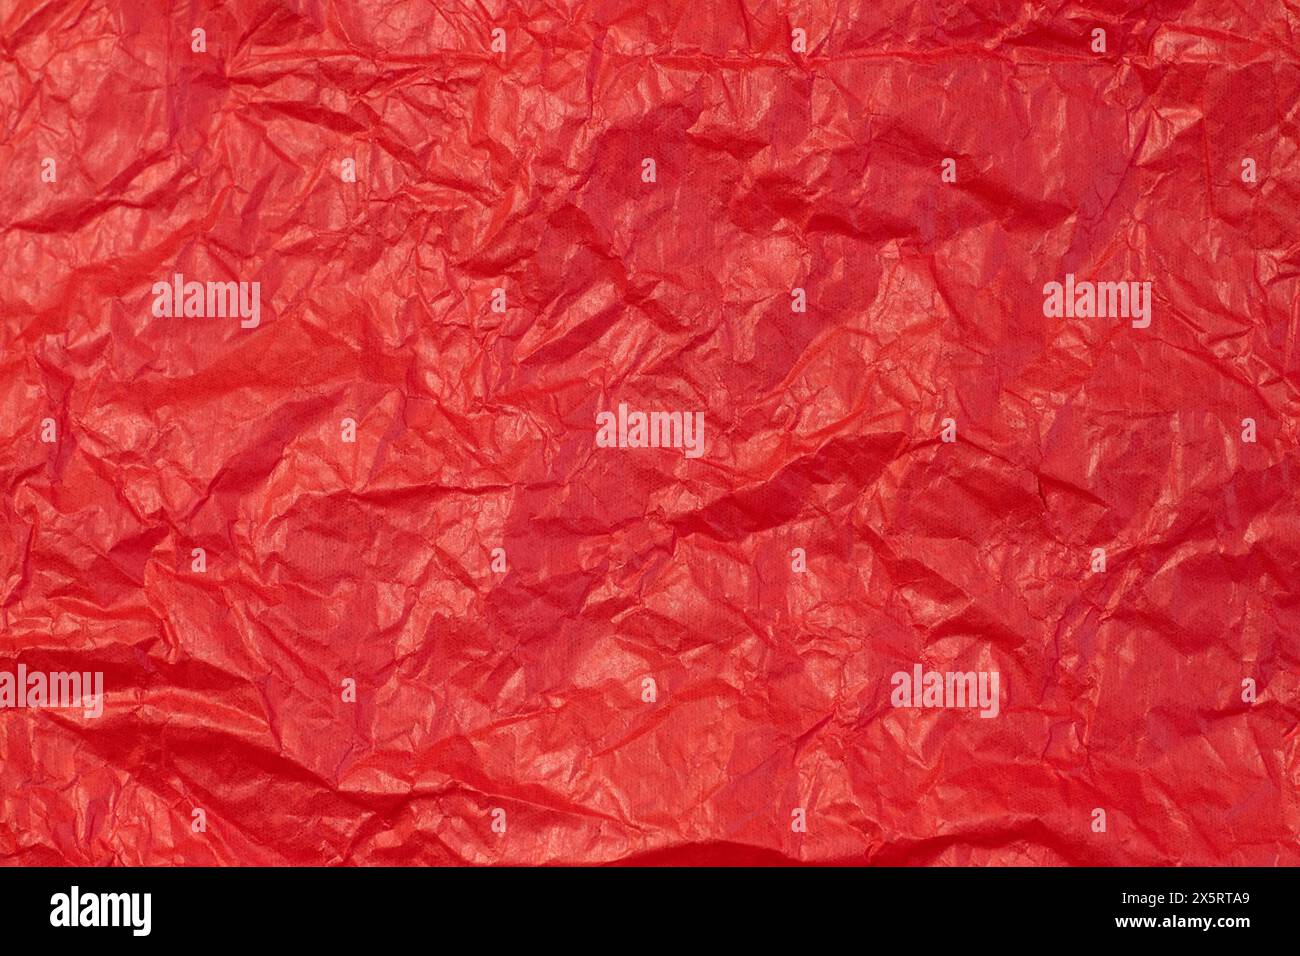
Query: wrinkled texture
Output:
(522,690)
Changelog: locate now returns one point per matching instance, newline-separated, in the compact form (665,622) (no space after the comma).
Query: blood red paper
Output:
(501,710)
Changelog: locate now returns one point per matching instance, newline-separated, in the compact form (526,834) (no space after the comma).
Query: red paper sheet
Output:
(879,296)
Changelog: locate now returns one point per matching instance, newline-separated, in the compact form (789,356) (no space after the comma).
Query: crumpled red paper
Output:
(501,711)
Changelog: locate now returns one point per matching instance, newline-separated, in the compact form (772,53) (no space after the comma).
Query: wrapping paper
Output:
(485,630)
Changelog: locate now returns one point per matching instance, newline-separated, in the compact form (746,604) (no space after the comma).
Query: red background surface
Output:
(475,430)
